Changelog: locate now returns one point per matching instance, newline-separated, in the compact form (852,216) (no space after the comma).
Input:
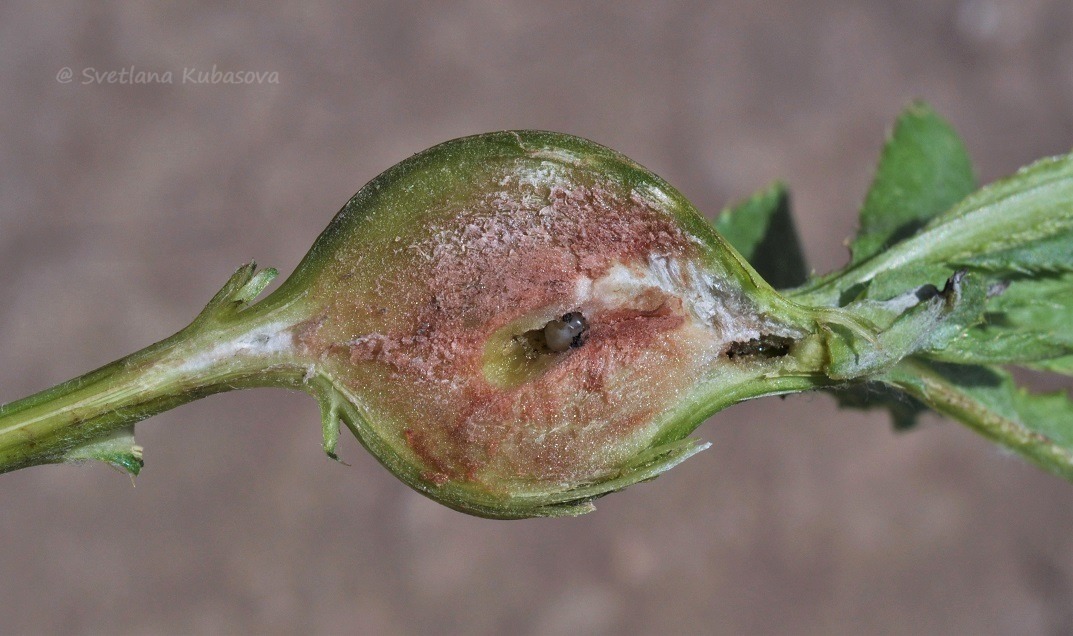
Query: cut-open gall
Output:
(517,323)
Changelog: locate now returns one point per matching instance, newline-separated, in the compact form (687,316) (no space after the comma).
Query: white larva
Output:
(565,332)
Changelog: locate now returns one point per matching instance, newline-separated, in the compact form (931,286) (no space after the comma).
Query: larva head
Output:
(516,323)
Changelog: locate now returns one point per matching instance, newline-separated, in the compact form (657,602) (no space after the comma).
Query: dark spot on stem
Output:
(927,292)
(949,290)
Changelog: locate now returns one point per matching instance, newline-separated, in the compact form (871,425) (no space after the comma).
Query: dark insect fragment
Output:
(766,346)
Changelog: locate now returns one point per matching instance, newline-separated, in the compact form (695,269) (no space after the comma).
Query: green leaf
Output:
(893,282)
(1053,254)
(1029,322)
(923,171)
(1035,204)
(1018,216)
(1039,426)
(1063,365)
(762,229)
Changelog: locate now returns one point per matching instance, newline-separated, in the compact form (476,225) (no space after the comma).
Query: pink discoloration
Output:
(494,259)
(489,266)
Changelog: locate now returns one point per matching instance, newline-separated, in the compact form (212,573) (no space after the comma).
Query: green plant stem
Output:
(102,405)
(924,383)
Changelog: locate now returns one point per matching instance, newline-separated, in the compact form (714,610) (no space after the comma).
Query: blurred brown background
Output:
(124,207)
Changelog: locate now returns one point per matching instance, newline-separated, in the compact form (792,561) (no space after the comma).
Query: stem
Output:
(946,397)
(211,356)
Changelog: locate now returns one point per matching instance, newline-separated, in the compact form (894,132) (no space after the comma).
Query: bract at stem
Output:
(92,416)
